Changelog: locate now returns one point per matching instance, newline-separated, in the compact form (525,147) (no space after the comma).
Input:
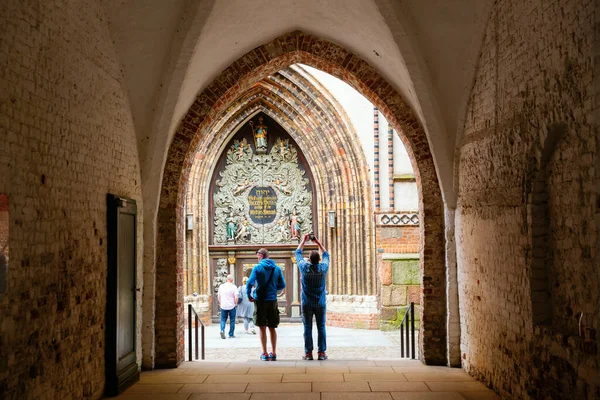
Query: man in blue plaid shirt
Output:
(314,295)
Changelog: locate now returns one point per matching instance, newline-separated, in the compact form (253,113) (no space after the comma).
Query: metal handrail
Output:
(197,320)
(409,319)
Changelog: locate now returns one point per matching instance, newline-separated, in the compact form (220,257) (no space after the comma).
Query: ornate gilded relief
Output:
(261,198)
(220,275)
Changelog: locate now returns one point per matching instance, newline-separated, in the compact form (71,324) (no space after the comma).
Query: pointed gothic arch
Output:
(309,120)
(265,60)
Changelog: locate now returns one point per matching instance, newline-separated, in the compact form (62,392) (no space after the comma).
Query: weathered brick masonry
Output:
(525,223)
(66,139)
(289,49)
(4,231)
(402,239)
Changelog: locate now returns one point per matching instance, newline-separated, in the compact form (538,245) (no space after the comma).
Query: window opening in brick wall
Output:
(3,242)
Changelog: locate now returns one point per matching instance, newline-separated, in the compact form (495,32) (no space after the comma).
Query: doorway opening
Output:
(341,183)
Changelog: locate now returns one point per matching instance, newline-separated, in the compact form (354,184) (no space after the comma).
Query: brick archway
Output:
(338,165)
(293,48)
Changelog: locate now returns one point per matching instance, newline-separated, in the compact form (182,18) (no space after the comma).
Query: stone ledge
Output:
(351,304)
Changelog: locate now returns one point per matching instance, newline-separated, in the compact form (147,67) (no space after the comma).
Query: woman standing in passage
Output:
(246,308)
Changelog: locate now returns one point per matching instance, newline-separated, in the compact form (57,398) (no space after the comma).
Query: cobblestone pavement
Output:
(342,343)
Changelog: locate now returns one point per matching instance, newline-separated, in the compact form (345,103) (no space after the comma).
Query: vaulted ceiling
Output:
(170,51)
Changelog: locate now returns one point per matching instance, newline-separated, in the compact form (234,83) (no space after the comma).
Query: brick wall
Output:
(399,270)
(351,311)
(401,239)
(67,140)
(4,231)
(353,321)
(528,122)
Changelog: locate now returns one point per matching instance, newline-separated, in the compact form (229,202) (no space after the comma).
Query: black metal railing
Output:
(197,321)
(407,326)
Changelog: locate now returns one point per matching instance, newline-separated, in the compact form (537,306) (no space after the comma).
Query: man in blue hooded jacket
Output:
(269,279)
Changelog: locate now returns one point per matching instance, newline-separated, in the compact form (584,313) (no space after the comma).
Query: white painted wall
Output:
(360,112)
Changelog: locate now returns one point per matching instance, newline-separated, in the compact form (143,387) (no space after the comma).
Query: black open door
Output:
(121,366)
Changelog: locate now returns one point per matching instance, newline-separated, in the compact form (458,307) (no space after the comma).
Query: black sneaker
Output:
(308,357)
(322,356)
(222,334)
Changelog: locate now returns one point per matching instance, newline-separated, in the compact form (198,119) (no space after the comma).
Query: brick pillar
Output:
(453,316)
(376,158)
(390,147)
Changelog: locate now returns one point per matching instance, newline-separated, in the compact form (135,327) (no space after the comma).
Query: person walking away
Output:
(245,308)
(314,296)
(269,279)
(228,298)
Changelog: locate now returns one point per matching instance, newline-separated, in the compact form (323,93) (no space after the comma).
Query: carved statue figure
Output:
(243,230)
(281,148)
(260,135)
(240,151)
(282,187)
(282,226)
(295,225)
(231,227)
(240,187)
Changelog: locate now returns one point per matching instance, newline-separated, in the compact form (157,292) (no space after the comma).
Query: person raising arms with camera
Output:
(314,295)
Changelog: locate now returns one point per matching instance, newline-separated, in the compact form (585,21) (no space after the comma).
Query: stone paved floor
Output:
(361,365)
(342,343)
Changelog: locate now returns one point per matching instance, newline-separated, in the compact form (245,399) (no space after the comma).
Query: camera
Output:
(311,236)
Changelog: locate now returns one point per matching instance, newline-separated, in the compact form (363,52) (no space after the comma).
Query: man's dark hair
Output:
(315,257)
(264,252)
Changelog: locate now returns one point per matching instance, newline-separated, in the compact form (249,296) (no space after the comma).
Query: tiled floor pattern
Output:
(371,379)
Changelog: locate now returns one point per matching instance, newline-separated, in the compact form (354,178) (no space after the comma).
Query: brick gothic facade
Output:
(234,81)
(337,162)
(311,115)
(526,223)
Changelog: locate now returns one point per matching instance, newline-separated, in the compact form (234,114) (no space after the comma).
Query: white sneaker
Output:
(253,331)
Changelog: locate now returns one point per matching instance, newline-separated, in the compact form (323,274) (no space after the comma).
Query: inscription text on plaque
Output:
(263,204)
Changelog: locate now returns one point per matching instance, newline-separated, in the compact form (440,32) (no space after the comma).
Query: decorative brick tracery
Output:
(234,81)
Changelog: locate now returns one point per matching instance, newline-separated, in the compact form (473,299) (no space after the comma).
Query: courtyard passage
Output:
(362,364)
(342,343)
